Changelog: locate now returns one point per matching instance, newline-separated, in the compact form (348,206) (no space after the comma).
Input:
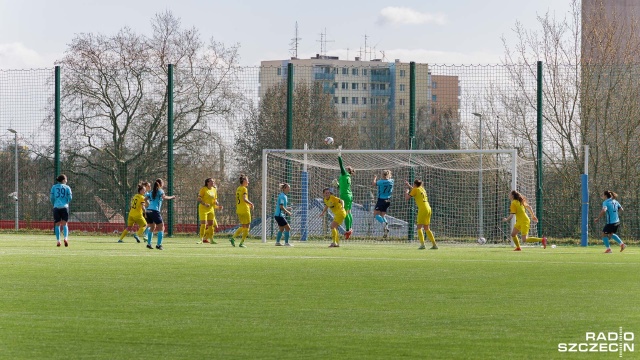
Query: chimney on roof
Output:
(357,58)
(397,61)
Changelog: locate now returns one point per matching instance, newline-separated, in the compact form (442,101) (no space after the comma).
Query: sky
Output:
(35,33)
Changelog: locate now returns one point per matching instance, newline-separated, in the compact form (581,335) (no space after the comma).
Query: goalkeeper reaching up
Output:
(344,183)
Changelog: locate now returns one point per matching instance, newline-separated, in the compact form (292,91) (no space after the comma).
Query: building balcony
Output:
(376,92)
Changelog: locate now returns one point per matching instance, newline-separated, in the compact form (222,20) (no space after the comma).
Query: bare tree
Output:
(114,95)
(590,92)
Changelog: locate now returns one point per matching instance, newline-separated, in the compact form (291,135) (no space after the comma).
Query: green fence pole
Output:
(56,110)
(540,168)
(170,149)
(289,106)
(412,136)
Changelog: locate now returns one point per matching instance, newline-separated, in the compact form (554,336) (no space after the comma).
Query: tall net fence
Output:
(114,130)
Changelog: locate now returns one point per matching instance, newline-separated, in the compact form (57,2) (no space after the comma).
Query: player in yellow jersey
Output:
(423,220)
(517,209)
(243,209)
(136,215)
(207,206)
(339,214)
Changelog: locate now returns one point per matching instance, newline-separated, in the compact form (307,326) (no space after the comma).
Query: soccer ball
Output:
(328,140)
(482,241)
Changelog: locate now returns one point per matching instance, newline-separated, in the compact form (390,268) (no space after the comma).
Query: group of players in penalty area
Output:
(145,211)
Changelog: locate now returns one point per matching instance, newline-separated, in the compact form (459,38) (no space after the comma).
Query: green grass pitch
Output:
(100,299)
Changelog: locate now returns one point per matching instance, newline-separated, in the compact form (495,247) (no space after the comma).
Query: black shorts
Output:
(611,228)
(154,216)
(382,205)
(281,220)
(145,214)
(60,214)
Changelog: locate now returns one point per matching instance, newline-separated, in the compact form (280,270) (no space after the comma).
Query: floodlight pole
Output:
(480,206)
(15,136)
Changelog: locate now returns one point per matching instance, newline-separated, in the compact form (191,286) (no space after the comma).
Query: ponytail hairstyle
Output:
(242,178)
(610,194)
(284,186)
(521,198)
(417,182)
(156,186)
(61,178)
(351,170)
(140,187)
(386,174)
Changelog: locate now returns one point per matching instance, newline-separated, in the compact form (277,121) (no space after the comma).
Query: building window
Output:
(434,85)
(335,85)
(355,115)
(279,71)
(345,85)
(354,100)
(383,101)
(383,86)
(364,101)
(344,99)
(354,86)
(401,87)
(354,71)
(334,70)
(345,71)
(434,98)
(345,115)
(433,111)
(364,72)
(401,116)
(335,99)
(401,102)
(364,86)
(364,115)
(402,72)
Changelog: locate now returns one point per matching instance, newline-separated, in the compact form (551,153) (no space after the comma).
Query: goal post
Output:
(467,190)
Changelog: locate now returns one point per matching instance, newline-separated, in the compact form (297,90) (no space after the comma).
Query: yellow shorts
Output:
(524,228)
(206,213)
(136,220)
(339,218)
(424,217)
(245,218)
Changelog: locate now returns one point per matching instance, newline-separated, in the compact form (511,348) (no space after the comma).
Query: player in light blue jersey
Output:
(385,189)
(60,198)
(611,209)
(278,215)
(155,197)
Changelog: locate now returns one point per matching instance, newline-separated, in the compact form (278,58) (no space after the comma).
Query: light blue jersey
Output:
(611,206)
(385,188)
(60,195)
(155,203)
(282,200)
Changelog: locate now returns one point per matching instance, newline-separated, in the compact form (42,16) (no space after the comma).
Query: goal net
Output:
(468,192)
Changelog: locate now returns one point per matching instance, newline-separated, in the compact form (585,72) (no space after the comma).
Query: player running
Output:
(517,209)
(385,188)
(611,207)
(136,215)
(423,220)
(339,214)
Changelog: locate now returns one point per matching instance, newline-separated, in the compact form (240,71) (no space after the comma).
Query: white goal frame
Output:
(265,214)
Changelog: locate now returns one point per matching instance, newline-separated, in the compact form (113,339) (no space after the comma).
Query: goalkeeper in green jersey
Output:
(344,183)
